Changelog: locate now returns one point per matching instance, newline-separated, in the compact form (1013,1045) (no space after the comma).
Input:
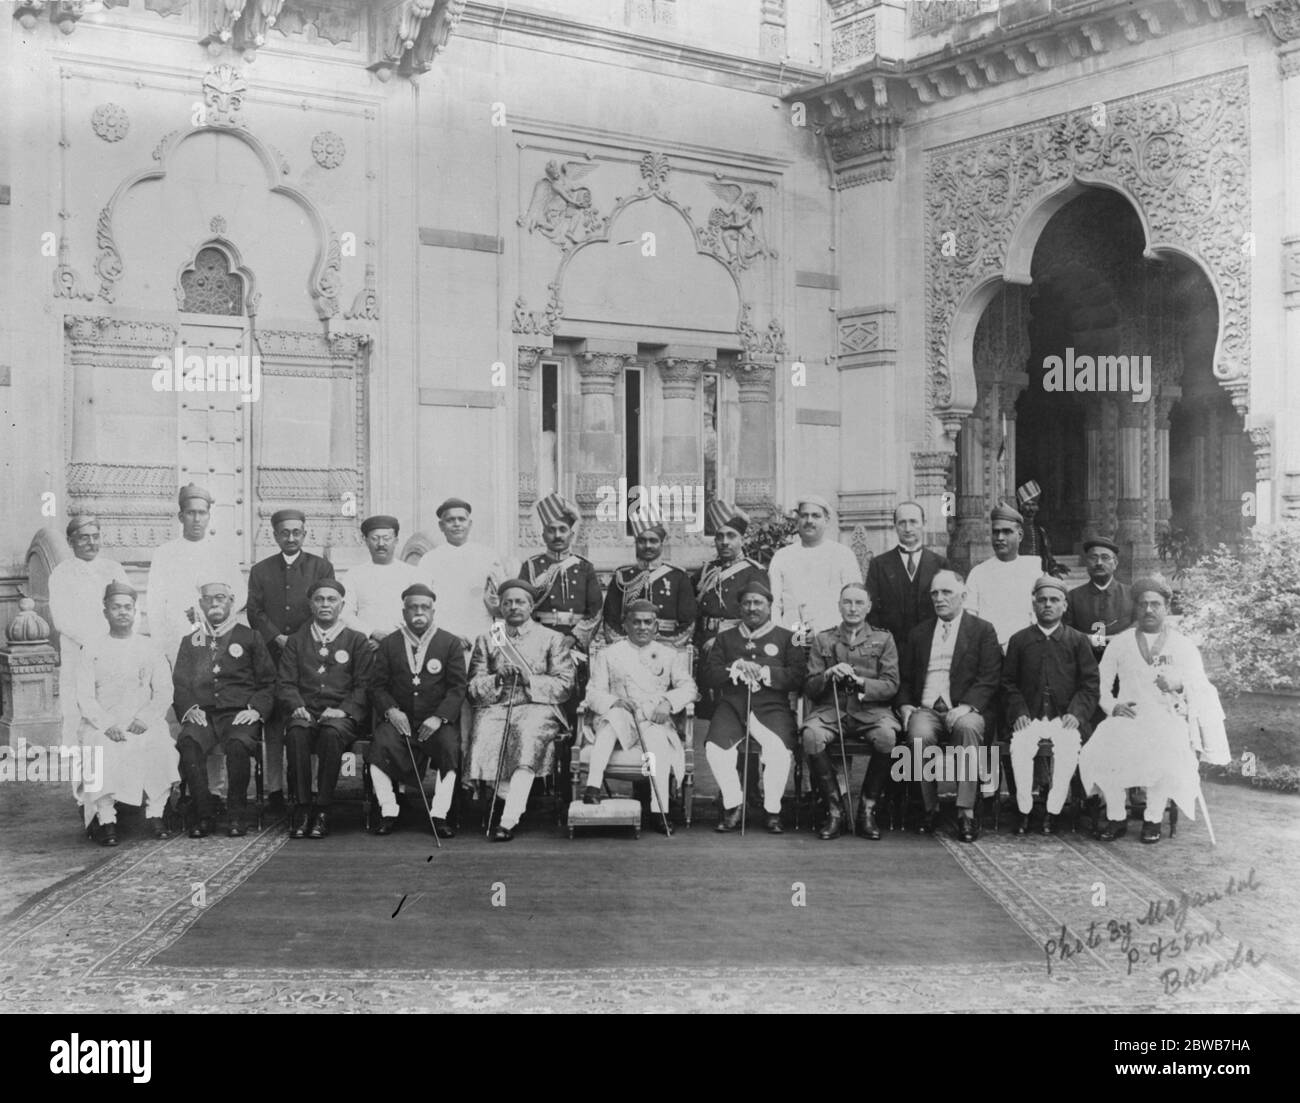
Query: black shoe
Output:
(158,827)
(967,829)
(320,827)
(275,802)
(201,829)
(730,819)
(1150,832)
(301,819)
(386,825)
(663,827)
(108,835)
(1022,823)
(929,823)
(591,795)
(444,829)
(502,834)
(1113,830)
(238,825)
(867,826)
(774,824)
(833,828)
(1049,824)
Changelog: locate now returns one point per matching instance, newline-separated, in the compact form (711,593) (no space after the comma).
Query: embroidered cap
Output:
(725,515)
(555,509)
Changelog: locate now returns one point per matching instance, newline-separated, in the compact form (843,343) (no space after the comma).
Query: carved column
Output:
(932,472)
(84,337)
(599,461)
(526,360)
(1130,532)
(755,487)
(1164,403)
(971,534)
(1261,439)
(29,675)
(681,464)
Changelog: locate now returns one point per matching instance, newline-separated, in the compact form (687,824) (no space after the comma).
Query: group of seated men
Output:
(913,653)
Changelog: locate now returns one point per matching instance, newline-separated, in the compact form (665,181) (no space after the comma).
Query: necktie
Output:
(911,565)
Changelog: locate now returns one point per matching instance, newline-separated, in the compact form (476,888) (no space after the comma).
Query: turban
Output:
(640,605)
(324,583)
(81,521)
(555,509)
(282,515)
(453,503)
(754,586)
(1152,584)
(380,521)
(1003,512)
(1029,492)
(1047,582)
(419,589)
(813,500)
(645,518)
(517,584)
(119,589)
(725,515)
(1100,542)
(193,490)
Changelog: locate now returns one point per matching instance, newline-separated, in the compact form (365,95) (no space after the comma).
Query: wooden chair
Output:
(180,812)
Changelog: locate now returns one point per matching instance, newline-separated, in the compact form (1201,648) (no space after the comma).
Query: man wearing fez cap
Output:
(277,608)
(374,603)
(522,671)
(1050,685)
(754,668)
(77,609)
(808,575)
(568,588)
(323,690)
(1102,607)
(123,690)
(223,691)
(419,687)
(1164,716)
(1035,543)
(651,579)
(1000,589)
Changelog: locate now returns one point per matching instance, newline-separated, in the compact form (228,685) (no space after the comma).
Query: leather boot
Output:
(865,823)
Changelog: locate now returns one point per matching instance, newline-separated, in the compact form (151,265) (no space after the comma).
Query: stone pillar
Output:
(681,459)
(932,474)
(599,460)
(1261,439)
(755,485)
(526,361)
(1131,533)
(971,533)
(29,675)
(84,334)
(1164,403)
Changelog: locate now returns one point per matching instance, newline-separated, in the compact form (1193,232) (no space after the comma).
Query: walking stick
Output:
(844,758)
(419,784)
(744,747)
(654,788)
(501,756)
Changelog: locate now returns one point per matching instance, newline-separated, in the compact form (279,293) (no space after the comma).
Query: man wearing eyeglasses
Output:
(1102,607)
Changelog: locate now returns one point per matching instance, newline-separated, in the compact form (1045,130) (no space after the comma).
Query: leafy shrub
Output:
(762,538)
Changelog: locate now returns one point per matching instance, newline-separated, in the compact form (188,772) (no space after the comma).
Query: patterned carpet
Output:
(110,938)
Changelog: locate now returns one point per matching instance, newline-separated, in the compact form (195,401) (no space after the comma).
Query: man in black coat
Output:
(419,687)
(224,689)
(899,580)
(1102,607)
(277,608)
(1051,687)
(949,677)
(323,689)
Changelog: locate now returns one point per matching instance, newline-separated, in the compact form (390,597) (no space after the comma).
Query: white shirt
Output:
(936,674)
(806,583)
(178,569)
(1002,594)
(77,599)
(462,576)
(374,594)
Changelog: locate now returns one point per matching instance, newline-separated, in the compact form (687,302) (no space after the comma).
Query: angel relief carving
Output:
(561,209)
(735,231)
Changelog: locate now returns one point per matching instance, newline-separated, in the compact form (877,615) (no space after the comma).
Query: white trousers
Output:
(515,793)
(776,769)
(657,745)
(444,790)
(1065,757)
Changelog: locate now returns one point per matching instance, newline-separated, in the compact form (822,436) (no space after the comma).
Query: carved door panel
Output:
(213,445)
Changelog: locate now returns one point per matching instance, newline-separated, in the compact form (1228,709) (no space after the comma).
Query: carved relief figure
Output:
(735,231)
(560,209)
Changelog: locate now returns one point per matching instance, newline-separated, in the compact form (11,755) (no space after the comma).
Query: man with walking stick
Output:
(754,667)
(419,687)
(852,677)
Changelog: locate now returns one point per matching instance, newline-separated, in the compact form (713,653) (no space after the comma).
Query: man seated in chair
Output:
(1165,713)
(520,674)
(636,686)
(323,689)
(224,687)
(950,673)
(852,677)
(419,686)
(1050,684)
(754,667)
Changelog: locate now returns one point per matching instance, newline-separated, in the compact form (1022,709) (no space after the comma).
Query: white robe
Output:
(77,610)
(178,569)
(462,578)
(374,595)
(806,583)
(1002,594)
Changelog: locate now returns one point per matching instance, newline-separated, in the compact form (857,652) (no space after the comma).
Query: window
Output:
(631,432)
(548,468)
(710,443)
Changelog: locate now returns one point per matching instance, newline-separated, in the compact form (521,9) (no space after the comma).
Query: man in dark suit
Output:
(949,674)
(419,686)
(1051,688)
(323,689)
(1102,607)
(899,580)
(277,608)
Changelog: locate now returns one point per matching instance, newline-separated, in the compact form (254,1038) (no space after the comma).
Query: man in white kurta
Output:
(374,601)
(465,575)
(807,577)
(1000,590)
(636,685)
(1166,713)
(124,688)
(77,609)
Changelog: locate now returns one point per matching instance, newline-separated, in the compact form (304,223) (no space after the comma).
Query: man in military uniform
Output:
(667,587)
(755,667)
(224,689)
(419,686)
(718,583)
(323,688)
(277,608)
(568,588)
(852,677)
(1035,541)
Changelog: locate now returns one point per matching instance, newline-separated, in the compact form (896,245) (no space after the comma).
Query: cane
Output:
(641,742)
(501,756)
(744,750)
(419,784)
(844,758)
